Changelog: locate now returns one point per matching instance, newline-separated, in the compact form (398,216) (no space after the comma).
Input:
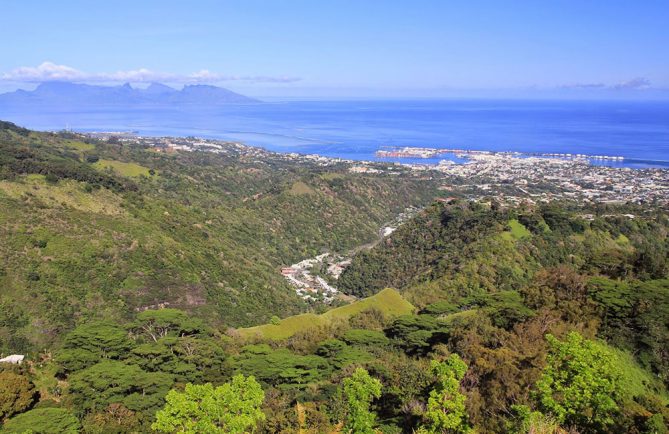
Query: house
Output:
(16,359)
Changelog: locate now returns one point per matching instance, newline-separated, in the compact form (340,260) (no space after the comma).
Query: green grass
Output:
(66,193)
(79,146)
(622,240)
(299,188)
(329,176)
(388,301)
(636,380)
(124,169)
(517,232)
(465,314)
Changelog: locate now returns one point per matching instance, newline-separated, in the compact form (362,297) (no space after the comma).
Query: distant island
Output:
(155,95)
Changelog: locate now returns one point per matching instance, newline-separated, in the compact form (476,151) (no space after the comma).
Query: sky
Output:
(341,48)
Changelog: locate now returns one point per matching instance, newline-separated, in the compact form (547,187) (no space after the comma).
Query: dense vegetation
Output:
(535,319)
(95,230)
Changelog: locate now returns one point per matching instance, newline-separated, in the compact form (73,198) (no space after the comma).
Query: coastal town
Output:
(542,179)
(507,177)
(419,152)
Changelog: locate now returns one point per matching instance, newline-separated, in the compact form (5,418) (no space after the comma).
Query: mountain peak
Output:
(158,89)
(159,86)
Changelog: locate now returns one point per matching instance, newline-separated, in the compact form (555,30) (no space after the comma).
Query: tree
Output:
(17,393)
(111,381)
(580,384)
(234,407)
(116,418)
(190,359)
(88,343)
(359,390)
(414,332)
(366,338)
(281,366)
(156,324)
(446,404)
(43,421)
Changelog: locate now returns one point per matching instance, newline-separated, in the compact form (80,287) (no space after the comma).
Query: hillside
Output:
(128,274)
(389,302)
(98,230)
(462,250)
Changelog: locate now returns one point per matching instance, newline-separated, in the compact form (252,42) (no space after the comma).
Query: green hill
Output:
(388,301)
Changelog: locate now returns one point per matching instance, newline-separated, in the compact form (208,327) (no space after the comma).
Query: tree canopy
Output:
(360,390)
(580,384)
(204,409)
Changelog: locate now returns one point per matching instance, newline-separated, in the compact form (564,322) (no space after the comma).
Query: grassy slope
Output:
(636,380)
(517,231)
(388,301)
(122,168)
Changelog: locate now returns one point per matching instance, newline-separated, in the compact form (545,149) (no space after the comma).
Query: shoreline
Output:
(408,155)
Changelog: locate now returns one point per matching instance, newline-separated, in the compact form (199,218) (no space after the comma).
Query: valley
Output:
(135,269)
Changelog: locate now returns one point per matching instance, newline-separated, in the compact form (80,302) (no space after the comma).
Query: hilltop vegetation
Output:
(387,302)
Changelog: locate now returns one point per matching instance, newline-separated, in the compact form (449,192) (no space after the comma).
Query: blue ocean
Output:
(638,131)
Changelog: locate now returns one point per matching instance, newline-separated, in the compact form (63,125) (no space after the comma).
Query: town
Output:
(419,152)
(314,278)
(507,177)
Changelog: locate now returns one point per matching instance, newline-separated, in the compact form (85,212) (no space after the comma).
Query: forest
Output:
(548,318)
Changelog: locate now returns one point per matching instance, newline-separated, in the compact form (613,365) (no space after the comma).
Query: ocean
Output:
(637,131)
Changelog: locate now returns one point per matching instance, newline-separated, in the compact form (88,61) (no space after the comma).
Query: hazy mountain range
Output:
(157,94)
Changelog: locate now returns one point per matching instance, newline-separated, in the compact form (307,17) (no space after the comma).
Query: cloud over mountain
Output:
(49,71)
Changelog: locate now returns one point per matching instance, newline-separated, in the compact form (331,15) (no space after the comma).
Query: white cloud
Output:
(49,71)
(635,83)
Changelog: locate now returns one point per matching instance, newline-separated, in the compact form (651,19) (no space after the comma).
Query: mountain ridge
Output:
(157,94)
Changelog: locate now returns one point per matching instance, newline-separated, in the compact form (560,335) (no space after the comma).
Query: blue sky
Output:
(345,48)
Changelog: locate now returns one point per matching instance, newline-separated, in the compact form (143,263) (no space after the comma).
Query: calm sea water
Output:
(638,131)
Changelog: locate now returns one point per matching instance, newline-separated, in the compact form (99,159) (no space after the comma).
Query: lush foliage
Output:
(231,408)
(43,421)
(582,383)
(359,391)
(446,405)
(17,393)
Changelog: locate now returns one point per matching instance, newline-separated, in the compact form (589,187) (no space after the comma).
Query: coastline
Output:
(355,130)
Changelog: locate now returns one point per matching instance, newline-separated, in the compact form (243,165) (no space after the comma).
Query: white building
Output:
(16,359)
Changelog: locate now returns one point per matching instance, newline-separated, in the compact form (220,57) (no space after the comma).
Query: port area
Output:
(417,152)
